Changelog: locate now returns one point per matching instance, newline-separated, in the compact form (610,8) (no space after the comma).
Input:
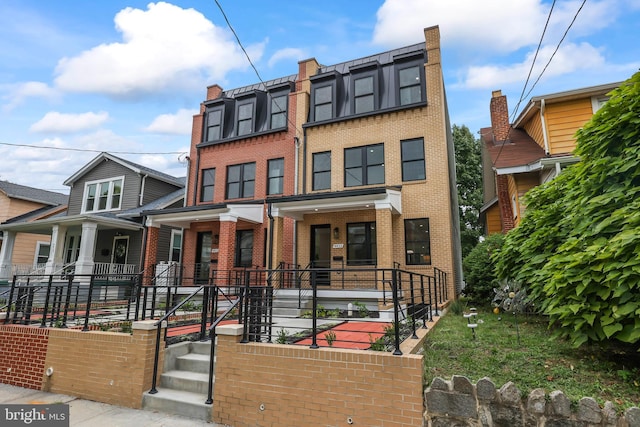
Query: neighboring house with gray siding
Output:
(103,230)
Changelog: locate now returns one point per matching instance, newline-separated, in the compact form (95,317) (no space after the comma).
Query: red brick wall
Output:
(23,350)
(499,116)
(506,213)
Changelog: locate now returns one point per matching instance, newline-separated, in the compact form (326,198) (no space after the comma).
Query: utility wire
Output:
(224,15)
(87,150)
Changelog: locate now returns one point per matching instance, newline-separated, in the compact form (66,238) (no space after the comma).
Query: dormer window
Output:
(245,119)
(323,103)
(214,124)
(278,112)
(363,94)
(410,85)
(103,195)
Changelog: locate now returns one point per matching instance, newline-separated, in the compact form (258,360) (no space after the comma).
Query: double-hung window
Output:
(275,180)
(410,85)
(241,180)
(278,117)
(322,170)
(417,241)
(214,124)
(363,94)
(244,248)
(245,119)
(208,185)
(361,243)
(413,168)
(103,195)
(364,165)
(323,103)
(176,246)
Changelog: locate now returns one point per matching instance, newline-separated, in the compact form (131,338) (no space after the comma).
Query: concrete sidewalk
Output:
(95,414)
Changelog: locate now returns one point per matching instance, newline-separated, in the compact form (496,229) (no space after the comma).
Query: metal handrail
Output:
(158,324)
(212,352)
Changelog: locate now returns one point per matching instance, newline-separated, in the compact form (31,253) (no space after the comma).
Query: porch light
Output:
(336,233)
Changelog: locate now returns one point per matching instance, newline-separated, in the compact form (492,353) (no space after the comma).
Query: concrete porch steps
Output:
(184,383)
(287,305)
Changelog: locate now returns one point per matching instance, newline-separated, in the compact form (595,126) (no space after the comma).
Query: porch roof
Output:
(350,200)
(183,217)
(44,226)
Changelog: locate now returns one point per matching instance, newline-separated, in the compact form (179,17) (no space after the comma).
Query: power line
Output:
(87,150)
(224,15)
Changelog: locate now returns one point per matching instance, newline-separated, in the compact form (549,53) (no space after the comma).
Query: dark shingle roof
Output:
(520,150)
(382,58)
(31,194)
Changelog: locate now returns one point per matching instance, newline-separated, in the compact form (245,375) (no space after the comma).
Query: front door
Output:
(203,257)
(321,252)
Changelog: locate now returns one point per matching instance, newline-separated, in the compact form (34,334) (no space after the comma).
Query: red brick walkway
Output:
(353,335)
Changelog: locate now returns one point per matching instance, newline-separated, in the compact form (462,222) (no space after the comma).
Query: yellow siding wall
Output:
(493,220)
(13,207)
(534,129)
(513,191)
(24,249)
(563,120)
(525,182)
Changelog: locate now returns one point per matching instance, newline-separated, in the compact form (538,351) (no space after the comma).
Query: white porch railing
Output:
(111,269)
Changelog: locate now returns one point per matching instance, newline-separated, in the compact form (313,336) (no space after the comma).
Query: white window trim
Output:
(109,197)
(597,102)
(113,248)
(514,206)
(38,245)
(173,233)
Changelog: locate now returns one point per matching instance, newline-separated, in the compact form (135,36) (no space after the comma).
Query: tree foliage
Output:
(578,247)
(479,269)
(469,184)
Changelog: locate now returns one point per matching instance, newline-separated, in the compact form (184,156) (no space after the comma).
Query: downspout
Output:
(304,160)
(545,136)
(142,185)
(270,250)
(186,184)
(295,192)
(143,254)
(195,183)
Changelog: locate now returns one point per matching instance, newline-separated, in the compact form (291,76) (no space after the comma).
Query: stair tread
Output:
(187,375)
(194,356)
(187,397)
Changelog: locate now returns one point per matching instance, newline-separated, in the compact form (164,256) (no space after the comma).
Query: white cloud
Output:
(68,123)
(163,47)
(491,25)
(569,58)
(287,53)
(19,93)
(175,124)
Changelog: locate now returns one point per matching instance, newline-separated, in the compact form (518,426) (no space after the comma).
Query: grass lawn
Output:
(536,361)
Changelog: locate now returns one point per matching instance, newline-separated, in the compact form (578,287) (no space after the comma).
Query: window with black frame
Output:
(364,165)
(413,165)
(275,180)
(244,248)
(208,184)
(322,170)
(363,94)
(417,241)
(214,125)
(278,112)
(410,85)
(241,180)
(245,119)
(323,103)
(361,243)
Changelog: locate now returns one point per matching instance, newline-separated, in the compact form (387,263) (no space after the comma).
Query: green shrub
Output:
(479,269)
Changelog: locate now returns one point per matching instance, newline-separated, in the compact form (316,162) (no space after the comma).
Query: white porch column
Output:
(56,250)
(84,264)
(6,253)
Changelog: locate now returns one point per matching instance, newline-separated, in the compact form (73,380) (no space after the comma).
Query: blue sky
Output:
(126,76)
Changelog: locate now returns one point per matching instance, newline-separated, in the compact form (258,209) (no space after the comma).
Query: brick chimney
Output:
(213,92)
(499,116)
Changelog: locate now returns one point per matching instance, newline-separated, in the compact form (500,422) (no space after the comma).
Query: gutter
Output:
(142,185)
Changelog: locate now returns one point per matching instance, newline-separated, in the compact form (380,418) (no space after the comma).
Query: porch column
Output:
(56,250)
(226,256)
(278,241)
(150,254)
(6,253)
(84,264)
(384,236)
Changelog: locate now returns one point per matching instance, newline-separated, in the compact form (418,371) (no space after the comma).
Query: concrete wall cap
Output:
(233,330)
(147,325)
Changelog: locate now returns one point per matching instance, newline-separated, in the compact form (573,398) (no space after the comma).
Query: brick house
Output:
(344,165)
(532,150)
